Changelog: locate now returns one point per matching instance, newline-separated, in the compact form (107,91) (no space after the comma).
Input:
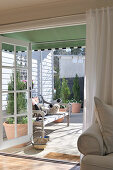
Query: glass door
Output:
(15,92)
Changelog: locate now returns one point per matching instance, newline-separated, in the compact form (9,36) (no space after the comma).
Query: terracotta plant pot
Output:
(62,110)
(59,120)
(22,130)
(76,107)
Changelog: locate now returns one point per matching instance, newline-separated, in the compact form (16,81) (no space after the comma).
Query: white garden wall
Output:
(71,65)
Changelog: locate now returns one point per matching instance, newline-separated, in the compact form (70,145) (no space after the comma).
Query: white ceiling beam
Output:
(44,23)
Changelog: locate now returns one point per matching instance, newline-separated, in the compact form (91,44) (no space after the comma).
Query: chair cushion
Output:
(104,115)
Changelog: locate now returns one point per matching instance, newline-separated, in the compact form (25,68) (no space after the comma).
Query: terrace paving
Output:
(63,139)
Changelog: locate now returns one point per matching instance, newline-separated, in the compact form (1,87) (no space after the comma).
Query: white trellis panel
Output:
(47,74)
(42,74)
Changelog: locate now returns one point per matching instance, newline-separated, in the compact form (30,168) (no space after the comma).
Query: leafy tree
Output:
(78,51)
(65,91)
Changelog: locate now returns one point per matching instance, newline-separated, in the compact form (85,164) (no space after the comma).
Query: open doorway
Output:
(45,71)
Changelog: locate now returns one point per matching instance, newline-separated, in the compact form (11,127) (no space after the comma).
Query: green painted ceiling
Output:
(60,37)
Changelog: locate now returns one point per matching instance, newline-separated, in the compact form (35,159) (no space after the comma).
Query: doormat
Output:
(61,156)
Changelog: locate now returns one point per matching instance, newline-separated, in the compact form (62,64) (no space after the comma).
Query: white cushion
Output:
(104,117)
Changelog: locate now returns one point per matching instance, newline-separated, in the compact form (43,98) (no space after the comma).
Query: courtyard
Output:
(63,140)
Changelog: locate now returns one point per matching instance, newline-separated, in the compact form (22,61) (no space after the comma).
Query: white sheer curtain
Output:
(99,60)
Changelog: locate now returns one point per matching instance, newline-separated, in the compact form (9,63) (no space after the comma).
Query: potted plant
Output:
(62,108)
(64,94)
(9,125)
(76,102)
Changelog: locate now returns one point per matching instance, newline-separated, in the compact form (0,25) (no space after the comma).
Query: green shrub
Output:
(10,120)
(57,87)
(20,120)
(65,91)
(76,89)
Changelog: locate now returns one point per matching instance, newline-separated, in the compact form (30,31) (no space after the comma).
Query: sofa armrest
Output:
(97,162)
(91,141)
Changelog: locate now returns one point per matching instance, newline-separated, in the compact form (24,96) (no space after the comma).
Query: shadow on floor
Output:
(76,167)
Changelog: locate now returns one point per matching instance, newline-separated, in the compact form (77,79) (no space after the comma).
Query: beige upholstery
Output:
(104,116)
(95,162)
(91,142)
(93,149)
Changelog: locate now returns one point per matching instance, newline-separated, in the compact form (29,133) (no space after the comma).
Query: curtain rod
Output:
(99,9)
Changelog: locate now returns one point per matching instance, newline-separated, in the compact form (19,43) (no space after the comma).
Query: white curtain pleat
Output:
(99,61)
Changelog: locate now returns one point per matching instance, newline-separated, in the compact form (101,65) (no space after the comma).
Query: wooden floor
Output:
(12,163)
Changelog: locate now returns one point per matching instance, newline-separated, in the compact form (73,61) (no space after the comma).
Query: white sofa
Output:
(91,145)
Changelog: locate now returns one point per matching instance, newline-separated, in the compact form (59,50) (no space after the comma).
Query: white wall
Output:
(69,68)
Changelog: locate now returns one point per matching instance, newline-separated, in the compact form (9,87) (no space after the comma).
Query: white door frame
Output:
(23,139)
(35,25)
